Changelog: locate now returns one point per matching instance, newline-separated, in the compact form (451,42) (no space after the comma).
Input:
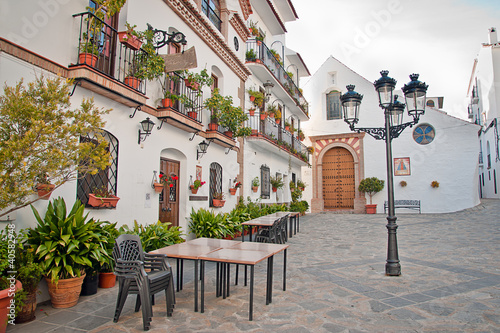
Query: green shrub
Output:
(371,186)
(155,236)
(205,223)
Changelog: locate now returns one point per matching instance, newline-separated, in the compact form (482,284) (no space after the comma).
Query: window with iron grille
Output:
(215,180)
(106,178)
(265,188)
(333,105)
(211,8)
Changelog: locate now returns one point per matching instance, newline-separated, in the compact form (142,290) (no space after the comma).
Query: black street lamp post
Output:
(415,95)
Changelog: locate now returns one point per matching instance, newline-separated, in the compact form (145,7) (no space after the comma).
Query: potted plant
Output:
(63,243)
(256,97)
(44,188)
(227,115)
(371,186)
(196,185)
(107,278)
(403,183)
(250,55)
(29,273)
(236,186)
(287,125)
(277,116)
(89,51)
(101,197)
(271,110)
(130,37)
(300,134)
(276,183)
(301,185)
(255,184)
(147,64)
(196,81)
(434,184)
(169,99)
(218,199)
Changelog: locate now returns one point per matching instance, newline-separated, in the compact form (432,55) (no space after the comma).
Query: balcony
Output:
(103,63)
(272,136)
(182,106)
(265,66)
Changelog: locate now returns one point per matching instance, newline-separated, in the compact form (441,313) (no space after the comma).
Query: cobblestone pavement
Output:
(336,282)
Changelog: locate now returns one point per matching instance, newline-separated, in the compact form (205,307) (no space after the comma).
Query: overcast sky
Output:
(439,39)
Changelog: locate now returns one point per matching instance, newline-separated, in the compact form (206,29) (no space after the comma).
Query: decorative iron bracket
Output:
(77,83)
(162,38)
(194,134)
(379,133)
(137,108)
(228,150)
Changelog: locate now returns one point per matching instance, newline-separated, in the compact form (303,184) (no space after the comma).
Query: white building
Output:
(439,148)
(43,37)
(484,94)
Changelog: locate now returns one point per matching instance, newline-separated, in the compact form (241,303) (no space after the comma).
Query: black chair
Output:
(142,274)
(271,234)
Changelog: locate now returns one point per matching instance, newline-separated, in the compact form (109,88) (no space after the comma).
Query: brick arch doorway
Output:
(338,179)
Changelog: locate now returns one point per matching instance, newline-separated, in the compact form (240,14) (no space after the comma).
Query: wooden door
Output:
(169,198)
(338,179)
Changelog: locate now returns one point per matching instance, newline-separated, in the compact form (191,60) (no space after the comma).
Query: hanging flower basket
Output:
(158,187)
(232,191)
(275,189)
(193,190)
(109,202)
(45,190)
(255,189)
(263,116)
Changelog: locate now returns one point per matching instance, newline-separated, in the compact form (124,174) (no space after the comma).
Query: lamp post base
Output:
(392,267)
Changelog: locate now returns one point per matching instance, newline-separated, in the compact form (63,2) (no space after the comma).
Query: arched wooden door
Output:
(338,179)
(169,198)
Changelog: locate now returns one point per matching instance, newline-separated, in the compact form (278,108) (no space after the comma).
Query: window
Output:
(211,8)
(430,103)
(106,178)
(423,134)
(488,154)
(265,189)
(215,181)
(333,105)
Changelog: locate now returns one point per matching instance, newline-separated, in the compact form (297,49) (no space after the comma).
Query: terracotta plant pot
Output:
(87,59)
(228,134)
(255,188)
(6,296)
(287,128)
(192,114)
(263,116)
(66,293)
(103,202)
(252,98)
(275,189)
(28,311)
(167,102)
(107,280)
(251,112)
(158,187)
(371,209)
(218,203)
(213,126)
(255,132)
(45,190)
(232,191)
(278,121)
(132,82)
(193,190)
(192,85)
(130,41)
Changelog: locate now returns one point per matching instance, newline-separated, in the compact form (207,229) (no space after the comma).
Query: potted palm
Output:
(255,184)
(63,243)
(371,186)
(276,183)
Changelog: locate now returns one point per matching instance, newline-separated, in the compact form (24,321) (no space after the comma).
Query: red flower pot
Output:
(6,296)
(132,82)
(228,134)
(232,191)
(87,59)
(110,202)
(130,41)
(193,190)
(255,189)
(192,114)
(275,189)
(45,190)
(167,102)
(251,112)
(263,116)
(371,209)
(213,126)
(158,187)
(218,203)
(107,280)
(192,85)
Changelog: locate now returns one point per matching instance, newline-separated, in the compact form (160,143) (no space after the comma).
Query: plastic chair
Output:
(142,274)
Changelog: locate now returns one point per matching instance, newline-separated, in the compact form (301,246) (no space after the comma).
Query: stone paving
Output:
(336,282)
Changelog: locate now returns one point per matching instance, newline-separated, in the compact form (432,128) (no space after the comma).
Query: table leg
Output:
(250,311)
(217,279)
(246,276)
(224,280)
(228,278)
(236,277)
(284,270)
(182,273)
(202,273)
(250,233)
(196,285)
(297,220)
(291,225)
(268,279)
(177,273)
(271,259)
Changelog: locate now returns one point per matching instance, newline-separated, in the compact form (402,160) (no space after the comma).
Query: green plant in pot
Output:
(107,278)
(276,183)
(371,186)
(63,244)
(147,63)
(256,97)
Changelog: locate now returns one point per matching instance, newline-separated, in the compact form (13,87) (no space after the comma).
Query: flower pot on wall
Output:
(193,190)
(232,191)
(371,209)
(263,116)
(275,189)
(158,187)
(44,190)
(107,280)
(251,112)
(130,41)
(192,85)
(66,292)
(218,203)
(110,202)
(255,189)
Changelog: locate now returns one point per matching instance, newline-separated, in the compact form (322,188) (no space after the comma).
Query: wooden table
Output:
(191,250)
(244,254)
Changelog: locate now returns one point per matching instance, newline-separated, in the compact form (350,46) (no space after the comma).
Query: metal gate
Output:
(169,198)
(215,181)
(338,179)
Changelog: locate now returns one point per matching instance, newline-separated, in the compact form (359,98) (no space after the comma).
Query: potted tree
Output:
(255,184)
(63,244)
(371,186)
(277,116)
(276,183)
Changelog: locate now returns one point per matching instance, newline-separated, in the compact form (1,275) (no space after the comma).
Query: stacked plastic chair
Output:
(142,274)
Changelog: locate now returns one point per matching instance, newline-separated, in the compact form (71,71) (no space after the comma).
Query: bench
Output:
(410,204)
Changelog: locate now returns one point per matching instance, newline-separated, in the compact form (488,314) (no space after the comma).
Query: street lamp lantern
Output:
(351,101)
(385,89)
(415,93)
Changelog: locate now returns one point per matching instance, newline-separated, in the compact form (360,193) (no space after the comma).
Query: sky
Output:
(438,39)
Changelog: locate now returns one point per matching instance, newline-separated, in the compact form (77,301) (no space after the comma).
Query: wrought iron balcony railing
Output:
(269,129)
(99,48)
(211,14)
(257,51)
(181,98)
